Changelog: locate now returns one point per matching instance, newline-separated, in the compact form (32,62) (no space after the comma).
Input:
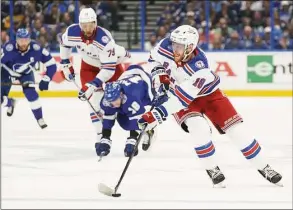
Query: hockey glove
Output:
(160,97)
(160,79)
(44,83)
(129,147)
(103,147)
(93,86)
(67,70)
(152,118)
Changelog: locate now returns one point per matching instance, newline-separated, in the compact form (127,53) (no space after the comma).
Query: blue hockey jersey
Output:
(18,63)
(135,98)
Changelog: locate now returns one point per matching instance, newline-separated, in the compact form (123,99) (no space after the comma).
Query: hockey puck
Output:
(116,195)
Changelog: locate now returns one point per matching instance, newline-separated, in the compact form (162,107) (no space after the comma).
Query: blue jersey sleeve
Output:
(7,53)
(49,62)
(109,115)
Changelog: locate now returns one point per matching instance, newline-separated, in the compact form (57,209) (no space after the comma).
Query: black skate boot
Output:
(148,140)
(216,176)
(42,123)
(10,109)
(271,175)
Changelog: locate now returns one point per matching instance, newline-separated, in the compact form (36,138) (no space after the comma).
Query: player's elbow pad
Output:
(65,51)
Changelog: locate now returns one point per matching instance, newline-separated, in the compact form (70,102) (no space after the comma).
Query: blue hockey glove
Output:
(161,96)
(103,147)
(44,83)
(129,147)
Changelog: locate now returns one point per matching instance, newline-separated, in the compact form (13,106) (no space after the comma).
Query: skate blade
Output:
(219,185)
(279,184)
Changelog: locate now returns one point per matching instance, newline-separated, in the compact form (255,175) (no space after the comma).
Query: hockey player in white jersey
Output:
(195,94)
(101,59)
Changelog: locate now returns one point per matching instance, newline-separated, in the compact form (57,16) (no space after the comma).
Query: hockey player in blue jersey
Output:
(19,59)
(125,100)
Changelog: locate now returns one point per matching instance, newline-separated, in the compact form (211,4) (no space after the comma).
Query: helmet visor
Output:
(178,48)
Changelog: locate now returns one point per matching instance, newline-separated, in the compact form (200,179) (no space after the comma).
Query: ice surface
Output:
(57,167)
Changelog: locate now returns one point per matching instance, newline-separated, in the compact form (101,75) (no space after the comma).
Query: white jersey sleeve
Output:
(199,84)
(65,45)
(109,59)
(155,58)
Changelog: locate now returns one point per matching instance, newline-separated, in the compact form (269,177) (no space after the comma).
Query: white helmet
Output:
(185,35)
(87,15)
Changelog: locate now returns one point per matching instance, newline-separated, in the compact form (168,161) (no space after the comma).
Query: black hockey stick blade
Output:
(104,189)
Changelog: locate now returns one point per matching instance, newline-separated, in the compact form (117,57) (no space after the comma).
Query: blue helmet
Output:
(22,33)
(112,91)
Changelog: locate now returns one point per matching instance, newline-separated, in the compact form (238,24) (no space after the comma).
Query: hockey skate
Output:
(10,109)
(42,123)
(271,175)
(148,139)
(217,177)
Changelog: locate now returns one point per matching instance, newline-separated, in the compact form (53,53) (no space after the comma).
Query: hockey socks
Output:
(206,154)
(33,98)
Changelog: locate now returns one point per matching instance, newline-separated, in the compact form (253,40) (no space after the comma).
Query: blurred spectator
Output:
(233,13)
(256,5)
(53,16)
(285,43)
(107,12)
(247,37)
(234,42)
(258,43)
(223,28)
(251,19)
(151,43)
(36,27)
(224,13)
(217,43)
(66,19)
(161,33)
(4,37)
(190,19)
(43,42)
(246,13)
(257,21)
(267,36)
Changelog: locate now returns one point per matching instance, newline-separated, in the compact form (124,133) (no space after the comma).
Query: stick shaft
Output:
(132,155)
(89,103)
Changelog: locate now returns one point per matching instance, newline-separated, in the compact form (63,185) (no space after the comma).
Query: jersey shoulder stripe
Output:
(197,63)
(165,49)
(74,33)
(102,38)
(209,87)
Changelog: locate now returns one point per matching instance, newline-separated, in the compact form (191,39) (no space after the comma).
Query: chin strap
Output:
(186,54)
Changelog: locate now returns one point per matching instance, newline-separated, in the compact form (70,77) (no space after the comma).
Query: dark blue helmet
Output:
(22,33)
(112,91)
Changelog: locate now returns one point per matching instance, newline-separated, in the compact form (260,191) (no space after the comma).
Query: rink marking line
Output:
(243,93)
(140,200)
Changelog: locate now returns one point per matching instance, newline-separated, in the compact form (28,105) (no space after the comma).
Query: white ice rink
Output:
(57,167)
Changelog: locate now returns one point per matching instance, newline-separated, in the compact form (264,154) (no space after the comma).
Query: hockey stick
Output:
(93,109)
(104,189)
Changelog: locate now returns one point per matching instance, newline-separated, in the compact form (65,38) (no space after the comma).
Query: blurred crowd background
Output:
(223,25)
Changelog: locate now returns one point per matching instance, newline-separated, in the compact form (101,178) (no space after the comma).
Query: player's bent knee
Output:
(240,134)
(199,127)
(30,93)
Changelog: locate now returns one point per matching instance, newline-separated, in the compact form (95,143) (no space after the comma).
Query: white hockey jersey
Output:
(189,80)
(101,51)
